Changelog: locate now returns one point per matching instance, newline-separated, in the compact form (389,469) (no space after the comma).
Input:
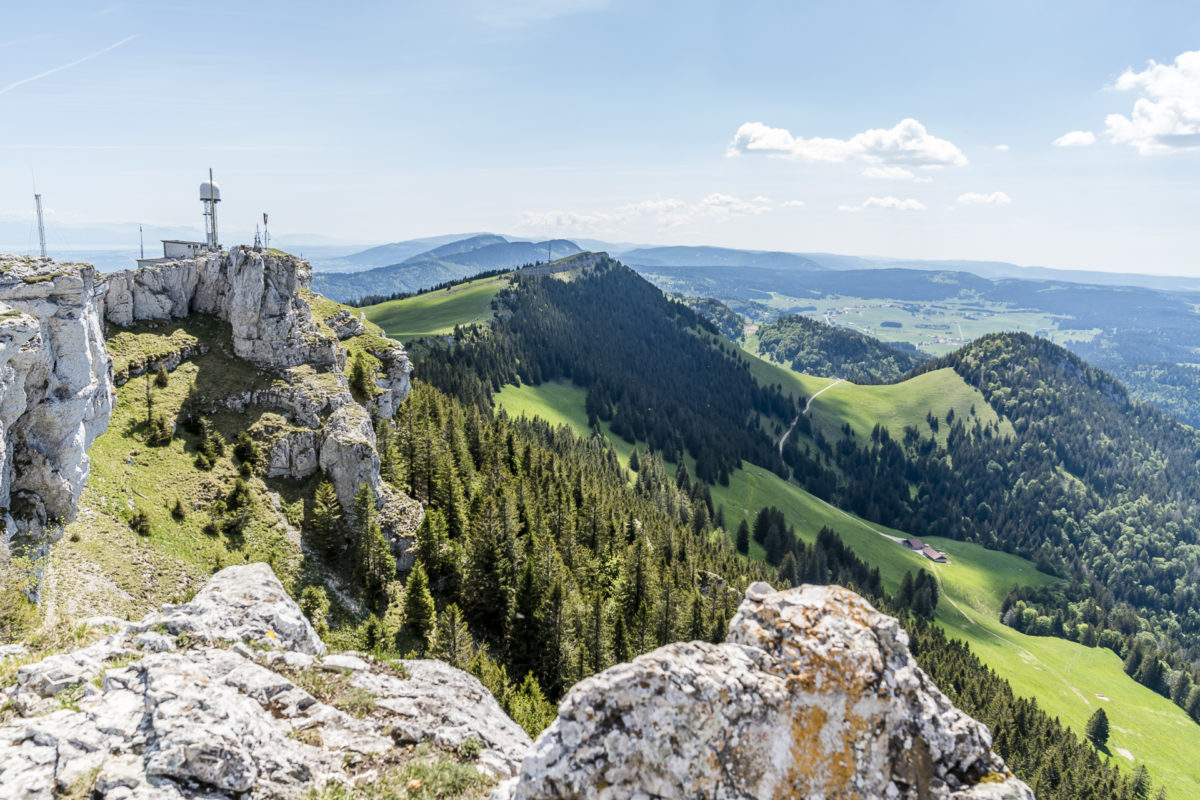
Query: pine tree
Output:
(524,643)
(1097,728)
(375,562)
(452,641)
(620,641)
(634,460)
(326,514)
(419,611)
(743,538)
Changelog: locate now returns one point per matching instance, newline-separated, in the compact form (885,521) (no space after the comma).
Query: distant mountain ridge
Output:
(445,262)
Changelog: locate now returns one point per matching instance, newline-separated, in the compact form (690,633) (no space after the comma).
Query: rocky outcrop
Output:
(814,694)
(256,291)
(207,699)
(55,390)
(349,459)
(392,379)
(344,325)
(260,294)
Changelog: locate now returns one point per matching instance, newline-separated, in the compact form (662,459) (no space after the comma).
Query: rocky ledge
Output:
(813,695)
(256,291)
(233,695)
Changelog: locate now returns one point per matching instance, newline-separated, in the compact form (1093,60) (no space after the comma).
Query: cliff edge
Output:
(56,392)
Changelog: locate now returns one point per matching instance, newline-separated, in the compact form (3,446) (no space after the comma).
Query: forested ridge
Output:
(654,369)
(1173,388)
(1088,484)
(815,348)
(725,319)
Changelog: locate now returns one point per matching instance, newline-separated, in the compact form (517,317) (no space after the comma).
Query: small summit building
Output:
(175,249)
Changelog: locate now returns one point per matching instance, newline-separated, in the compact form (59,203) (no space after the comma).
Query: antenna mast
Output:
(212,204)
(37,198)
(141,242)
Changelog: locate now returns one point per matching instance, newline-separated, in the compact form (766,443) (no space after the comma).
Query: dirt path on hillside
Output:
(783,439)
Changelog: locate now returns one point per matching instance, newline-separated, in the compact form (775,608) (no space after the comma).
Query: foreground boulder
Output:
(233,695)
(813,695)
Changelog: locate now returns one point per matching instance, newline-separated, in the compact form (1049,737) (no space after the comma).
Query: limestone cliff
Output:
(55,390)
(257,292)
(263,295)
(814,694)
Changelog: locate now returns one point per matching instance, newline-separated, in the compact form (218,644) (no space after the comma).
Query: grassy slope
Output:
(436,313)
(891,405)
(102,565)
(1064,677)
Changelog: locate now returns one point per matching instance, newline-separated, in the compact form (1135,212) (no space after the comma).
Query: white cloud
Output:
(793,204)
(1075,139)
(908,143)
(1166,119)
(980,199)
(891,203)
(661,213)
(1003,148)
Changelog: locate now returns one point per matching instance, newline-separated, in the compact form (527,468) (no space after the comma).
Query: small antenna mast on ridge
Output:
(37,199)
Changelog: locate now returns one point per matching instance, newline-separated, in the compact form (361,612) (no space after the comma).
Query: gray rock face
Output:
(56,391)
(348,454)
(344,325)
(153,715)
(393,379)
(814,694)
(256,292)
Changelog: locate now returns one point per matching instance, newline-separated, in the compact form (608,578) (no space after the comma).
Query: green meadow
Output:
(436,313)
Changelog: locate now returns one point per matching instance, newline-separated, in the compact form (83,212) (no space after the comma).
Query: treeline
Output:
(654,369)
(376,299)
(723,318)
(1088,615)
(816,348)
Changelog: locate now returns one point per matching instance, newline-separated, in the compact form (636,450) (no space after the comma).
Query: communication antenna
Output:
(548,259)
(266,233)
(141,242)
(37,199)
(210,195)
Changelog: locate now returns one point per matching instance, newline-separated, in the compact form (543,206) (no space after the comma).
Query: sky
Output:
(1059,134)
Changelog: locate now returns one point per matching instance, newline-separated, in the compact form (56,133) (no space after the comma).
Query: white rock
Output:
(228,722)
(814,694)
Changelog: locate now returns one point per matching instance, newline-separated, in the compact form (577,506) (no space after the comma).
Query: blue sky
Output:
(790,125)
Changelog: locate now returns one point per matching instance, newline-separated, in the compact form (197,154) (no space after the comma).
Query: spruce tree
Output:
(1097,728)
(326,514)
(743,538)
(419,611)
(452,640)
